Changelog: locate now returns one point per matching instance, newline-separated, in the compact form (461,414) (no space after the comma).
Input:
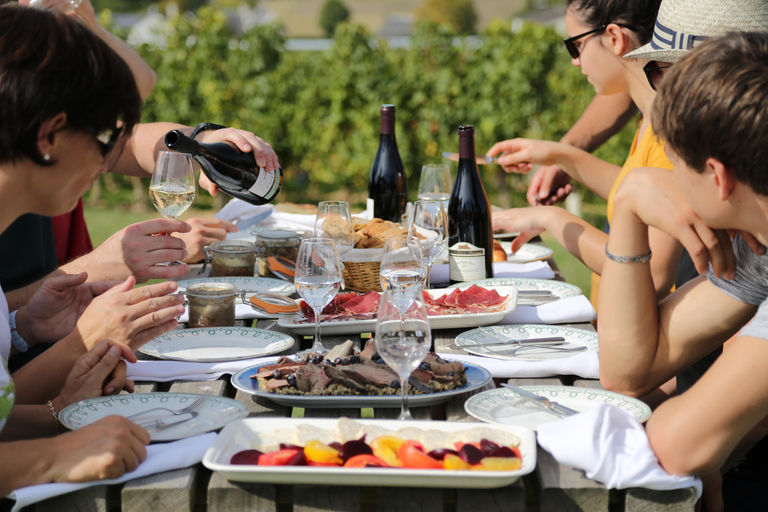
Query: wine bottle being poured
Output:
(470,242)
(234,172)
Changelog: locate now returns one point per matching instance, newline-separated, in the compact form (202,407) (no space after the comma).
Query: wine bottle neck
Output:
(177,141)
(388,121)
(467,145)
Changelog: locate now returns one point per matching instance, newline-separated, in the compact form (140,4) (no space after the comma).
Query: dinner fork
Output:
(162,423)
(190,408)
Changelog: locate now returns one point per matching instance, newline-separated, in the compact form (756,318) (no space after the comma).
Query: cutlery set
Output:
(545,403)
(171,418)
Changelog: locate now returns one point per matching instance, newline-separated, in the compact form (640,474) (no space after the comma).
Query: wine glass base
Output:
(169,264)
(405,415)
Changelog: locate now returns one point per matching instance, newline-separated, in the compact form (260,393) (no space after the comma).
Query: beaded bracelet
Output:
(55,416)
(628,259)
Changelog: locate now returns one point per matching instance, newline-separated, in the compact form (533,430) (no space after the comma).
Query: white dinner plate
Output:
(255,284)
(504,407)
(236,437)
(527,253)
(435,322)
(477,377)
(211,344)
(505,235)
(216,412)
(500,333)
(559,288)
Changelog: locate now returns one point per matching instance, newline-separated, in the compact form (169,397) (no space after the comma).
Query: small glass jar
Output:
(211,304)
(231,258)
(278,243)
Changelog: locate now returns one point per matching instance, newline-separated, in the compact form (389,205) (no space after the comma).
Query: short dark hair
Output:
(50,64)
(638,14)
(714,103)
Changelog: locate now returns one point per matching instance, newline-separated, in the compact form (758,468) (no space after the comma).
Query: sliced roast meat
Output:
(346,349)
(424,388)
(368,350)
(422,375)
(311,378)
(378,375)
(273,384)
(342,378)
(441,366)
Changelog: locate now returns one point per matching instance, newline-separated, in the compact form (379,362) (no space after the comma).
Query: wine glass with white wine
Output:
(172,187)
(430,223)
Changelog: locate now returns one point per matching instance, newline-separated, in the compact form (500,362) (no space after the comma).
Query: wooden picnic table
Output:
(551,487)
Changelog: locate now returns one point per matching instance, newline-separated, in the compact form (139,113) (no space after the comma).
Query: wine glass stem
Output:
(405,414)
(316,343)
(429,271)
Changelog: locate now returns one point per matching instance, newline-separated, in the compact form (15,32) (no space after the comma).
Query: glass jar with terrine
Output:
(231,258)
(211,304)
(276,249)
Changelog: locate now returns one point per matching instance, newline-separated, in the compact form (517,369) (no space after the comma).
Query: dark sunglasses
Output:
(106,138)
(654,74)
(570,43)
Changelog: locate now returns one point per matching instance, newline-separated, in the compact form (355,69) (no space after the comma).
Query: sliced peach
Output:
(454,462)
(497,464)
(385,448)
(320,452)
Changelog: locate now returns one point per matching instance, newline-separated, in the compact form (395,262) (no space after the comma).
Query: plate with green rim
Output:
(472,341)
(558,288)
(504,407)
(212,344)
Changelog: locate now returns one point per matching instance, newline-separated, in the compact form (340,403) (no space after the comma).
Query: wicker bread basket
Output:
(362,276)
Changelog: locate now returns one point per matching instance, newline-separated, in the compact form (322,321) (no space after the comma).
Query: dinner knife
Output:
(542,401)
(481,160)
(556,340)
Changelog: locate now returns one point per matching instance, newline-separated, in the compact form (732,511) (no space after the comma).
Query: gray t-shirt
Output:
(750,286)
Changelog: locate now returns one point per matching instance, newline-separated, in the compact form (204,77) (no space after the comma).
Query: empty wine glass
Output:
(317,279)
(402,269)
(334,221)
(430,223)
(402,340)
(172,187)
(435,183)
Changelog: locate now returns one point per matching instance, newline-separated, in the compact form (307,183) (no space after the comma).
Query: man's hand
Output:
(131,316)
(54,309)
(520,155)
(549,185)
(653,196)
(204,231)
(135,251)
(100,371)
(246,142)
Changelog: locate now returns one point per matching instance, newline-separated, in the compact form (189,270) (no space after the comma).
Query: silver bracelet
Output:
(628,259)
(18,342)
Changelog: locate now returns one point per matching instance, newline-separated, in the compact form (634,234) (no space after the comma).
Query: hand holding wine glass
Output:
(430,222)
(402,269)
(172,187)
(317,278)
(402,340)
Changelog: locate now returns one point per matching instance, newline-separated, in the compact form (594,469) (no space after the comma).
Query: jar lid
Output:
(279,237)
(233,246)
(211,290)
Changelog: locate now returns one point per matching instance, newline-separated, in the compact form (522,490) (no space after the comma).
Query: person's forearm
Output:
(604,117)
(578,236)
(143,74)
(594,173)
(30,422)
(147,139)
(43,378)
(25,463)
(628,310)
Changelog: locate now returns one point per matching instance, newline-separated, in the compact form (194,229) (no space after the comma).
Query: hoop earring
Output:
(46,157)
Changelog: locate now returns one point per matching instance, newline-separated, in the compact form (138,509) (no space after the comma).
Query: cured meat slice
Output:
(366,304)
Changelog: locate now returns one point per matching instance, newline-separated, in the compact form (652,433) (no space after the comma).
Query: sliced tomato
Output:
(312,463)
(277,458)
(365,461)
(413,457)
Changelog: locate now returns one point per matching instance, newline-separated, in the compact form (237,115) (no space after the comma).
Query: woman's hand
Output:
(549,185)
(100,371)
(520,155)
(108,448)
(527,221)
(54,309)
(131,316)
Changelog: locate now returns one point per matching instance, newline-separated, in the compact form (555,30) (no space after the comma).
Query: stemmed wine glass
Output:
(402,270)
(334,220)
(317,279)
(402,340)
(172,187)
(435,183)
(430,222)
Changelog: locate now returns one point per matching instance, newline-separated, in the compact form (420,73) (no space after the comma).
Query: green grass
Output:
(574,271)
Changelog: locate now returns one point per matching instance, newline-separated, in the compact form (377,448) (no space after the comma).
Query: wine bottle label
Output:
(369,207)
(466,262)
(266,183)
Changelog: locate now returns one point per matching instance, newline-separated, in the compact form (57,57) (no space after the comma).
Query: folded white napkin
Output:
(242,312)
(533,270)
(237,208)
(285,220)
(585,364)
(563,311)
(164,371)
(611,446)
(160,457)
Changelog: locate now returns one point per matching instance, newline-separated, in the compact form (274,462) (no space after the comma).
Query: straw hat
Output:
(684,24)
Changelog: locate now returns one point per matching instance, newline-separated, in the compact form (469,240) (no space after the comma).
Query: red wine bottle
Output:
(470,240)
(234,172)
(387,187)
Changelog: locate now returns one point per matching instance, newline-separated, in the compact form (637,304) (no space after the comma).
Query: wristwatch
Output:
(205,126)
